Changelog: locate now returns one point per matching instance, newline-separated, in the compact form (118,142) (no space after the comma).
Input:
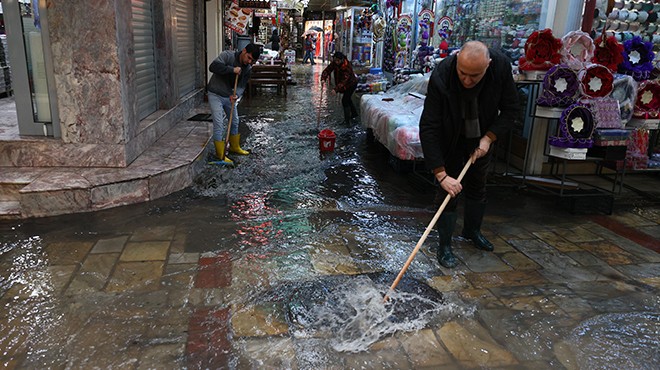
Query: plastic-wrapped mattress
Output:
(394,117)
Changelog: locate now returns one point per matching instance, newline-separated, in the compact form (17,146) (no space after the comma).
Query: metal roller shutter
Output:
(145,59)
(185,46)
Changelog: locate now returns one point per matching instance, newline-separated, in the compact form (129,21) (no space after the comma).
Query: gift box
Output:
(636,154)
(611,137)
(568,153)
(608,152)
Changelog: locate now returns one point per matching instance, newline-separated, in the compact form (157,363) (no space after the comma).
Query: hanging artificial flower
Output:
(638,58)
(541,51)
(608,53)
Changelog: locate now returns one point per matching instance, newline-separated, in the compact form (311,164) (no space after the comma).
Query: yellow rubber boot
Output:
(220,151)
(235,145)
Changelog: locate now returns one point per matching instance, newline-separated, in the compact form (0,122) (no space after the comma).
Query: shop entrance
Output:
(27,68)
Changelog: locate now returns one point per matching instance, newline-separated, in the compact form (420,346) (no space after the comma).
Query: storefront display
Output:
(423,54)
(629,19)
(404,28)
(542,52)
(361,37)
(502,24)
(592,80)
(372,82)
(389,46)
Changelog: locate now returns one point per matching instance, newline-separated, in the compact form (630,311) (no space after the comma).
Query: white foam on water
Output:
(358,317)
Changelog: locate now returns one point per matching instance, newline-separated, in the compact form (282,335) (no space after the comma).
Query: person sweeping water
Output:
(345,83)
(231,72)
(471,102)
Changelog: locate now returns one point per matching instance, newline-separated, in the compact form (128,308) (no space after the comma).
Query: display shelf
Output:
(574,187)
(627,19)
(548,112)
(359,40)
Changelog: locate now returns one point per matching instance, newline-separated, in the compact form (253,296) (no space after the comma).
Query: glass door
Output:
(31,67)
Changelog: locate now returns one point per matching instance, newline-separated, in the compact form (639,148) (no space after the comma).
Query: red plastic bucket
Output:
(327,140)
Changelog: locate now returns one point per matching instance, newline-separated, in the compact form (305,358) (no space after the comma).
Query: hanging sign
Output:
(286,4)
(261,13)
(258,4)
(237,18)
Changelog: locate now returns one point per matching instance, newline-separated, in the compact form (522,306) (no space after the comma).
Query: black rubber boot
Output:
(474,214)
(347,115)
(445,227)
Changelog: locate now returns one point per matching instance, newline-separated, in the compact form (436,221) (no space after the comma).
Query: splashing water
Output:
(373,319)
(350,311)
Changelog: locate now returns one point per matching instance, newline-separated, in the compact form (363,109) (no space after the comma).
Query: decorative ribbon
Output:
(541,51)
(638,58)
(576,127)
(647,104)
(608,53)
(596,81)
(577,49)
(560,87)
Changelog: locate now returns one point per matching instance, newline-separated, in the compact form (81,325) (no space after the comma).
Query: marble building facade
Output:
(106,155)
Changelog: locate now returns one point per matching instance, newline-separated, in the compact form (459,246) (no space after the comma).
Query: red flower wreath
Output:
(541,51)
(603,88)
(609,54)
(647,105)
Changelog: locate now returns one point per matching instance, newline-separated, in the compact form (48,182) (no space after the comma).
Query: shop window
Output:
(504,24)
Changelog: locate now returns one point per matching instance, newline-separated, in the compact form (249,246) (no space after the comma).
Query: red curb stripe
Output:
(214,272)
(628,232)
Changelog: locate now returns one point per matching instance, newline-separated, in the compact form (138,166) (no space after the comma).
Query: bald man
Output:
(470,103)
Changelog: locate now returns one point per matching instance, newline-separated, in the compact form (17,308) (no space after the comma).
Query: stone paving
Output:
(147,303)
(560,291)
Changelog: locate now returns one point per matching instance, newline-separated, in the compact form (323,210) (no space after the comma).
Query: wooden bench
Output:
(266,75)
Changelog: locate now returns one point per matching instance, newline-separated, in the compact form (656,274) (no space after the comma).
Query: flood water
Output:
(283,261)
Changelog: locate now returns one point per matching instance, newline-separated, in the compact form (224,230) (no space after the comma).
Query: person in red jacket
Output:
(345,83)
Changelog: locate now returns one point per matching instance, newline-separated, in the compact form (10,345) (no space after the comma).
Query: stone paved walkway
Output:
(176,284)
(140,300)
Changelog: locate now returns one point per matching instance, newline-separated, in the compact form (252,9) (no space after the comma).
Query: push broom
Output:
(318,114)
(231,117)
(426,233)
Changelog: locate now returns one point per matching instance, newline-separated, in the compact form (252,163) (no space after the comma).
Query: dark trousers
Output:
(347,104)
(474,181)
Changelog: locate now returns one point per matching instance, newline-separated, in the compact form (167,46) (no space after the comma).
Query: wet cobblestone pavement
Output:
(259,266)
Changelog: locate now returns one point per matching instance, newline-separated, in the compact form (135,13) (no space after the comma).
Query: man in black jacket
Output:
(471,101)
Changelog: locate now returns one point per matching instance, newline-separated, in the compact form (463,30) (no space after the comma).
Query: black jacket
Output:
(441,123)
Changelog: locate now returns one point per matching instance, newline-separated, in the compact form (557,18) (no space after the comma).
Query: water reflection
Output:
(598,343)
(282,262)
